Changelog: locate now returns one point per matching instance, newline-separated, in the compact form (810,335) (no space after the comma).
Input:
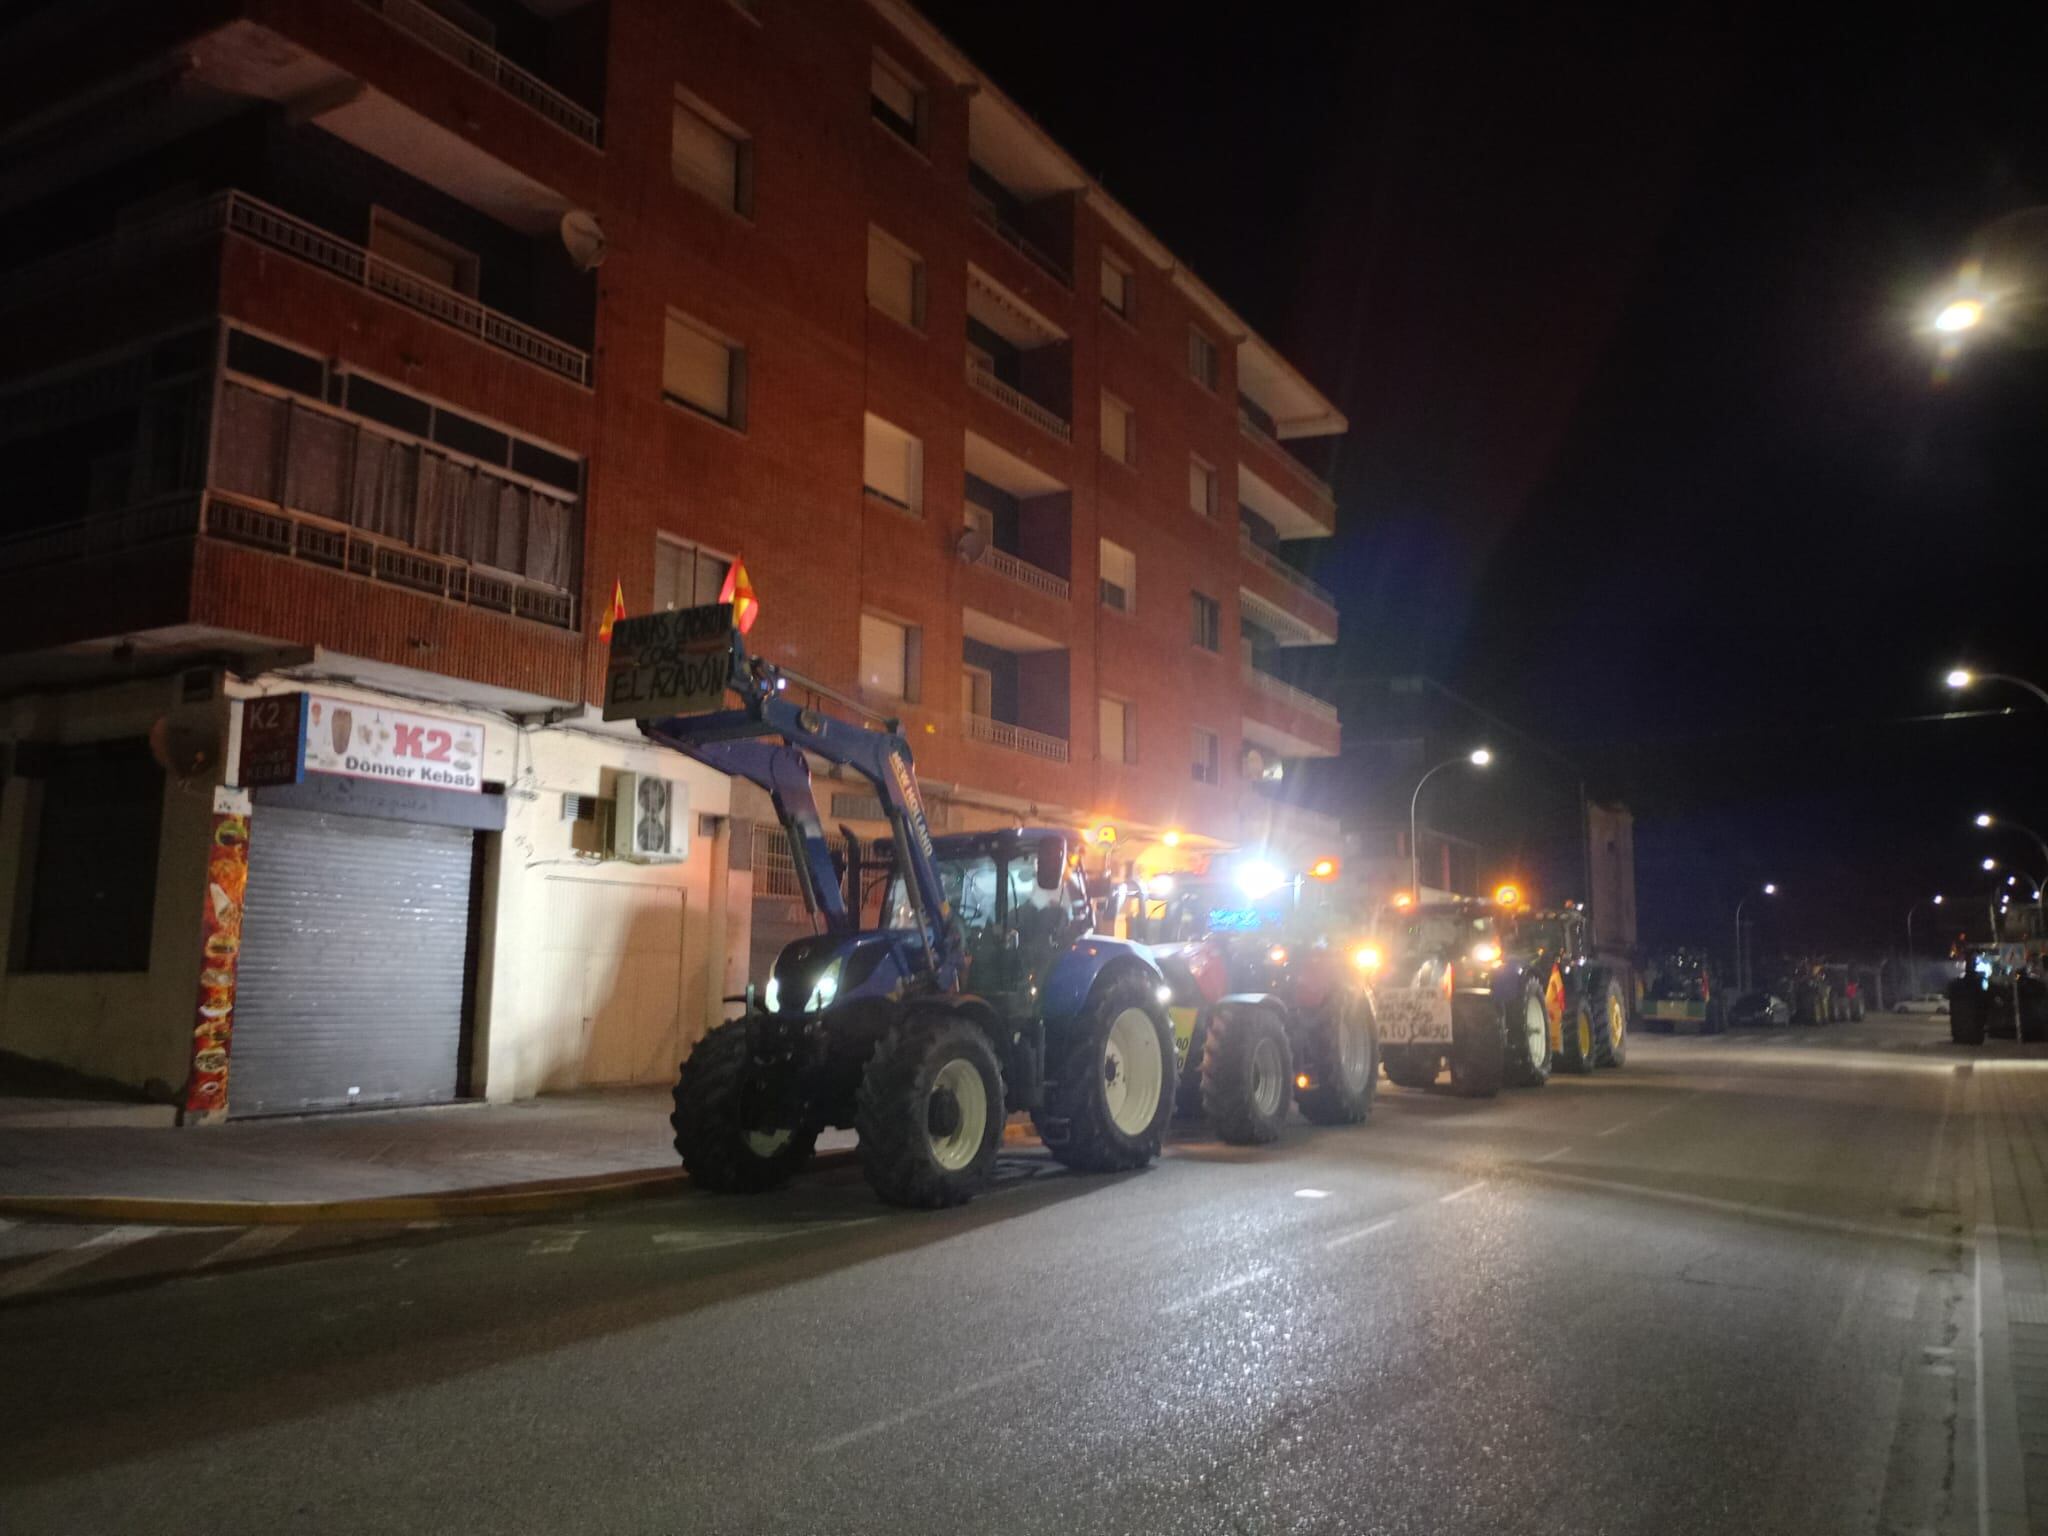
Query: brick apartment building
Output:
(352,350)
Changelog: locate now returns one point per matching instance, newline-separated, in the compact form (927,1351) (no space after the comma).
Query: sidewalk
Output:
(409,1163)
(2012,1255)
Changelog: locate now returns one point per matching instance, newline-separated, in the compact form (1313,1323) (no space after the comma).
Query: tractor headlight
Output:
(1366,957)
(825,989)
(771,996)
(1485,954)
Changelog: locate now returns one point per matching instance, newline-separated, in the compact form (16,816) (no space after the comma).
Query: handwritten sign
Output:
(673,663)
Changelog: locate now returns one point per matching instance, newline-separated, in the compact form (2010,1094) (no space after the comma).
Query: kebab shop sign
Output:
(394,745)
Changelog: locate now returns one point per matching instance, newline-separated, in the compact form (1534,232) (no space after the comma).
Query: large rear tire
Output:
(1412,1066)
(1247,1074)
(1479,1048)
(1346,1073)
(1610,1027)
(1112,1091)
(930,1111)
(719,1130)
(1527,1036)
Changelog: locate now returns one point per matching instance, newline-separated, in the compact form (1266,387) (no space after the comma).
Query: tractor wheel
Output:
(1479,1047)
(1412,1066)
(1347,1063)
(930,1111)
(1610,1028)
(1579,1053)
(1107,1107)
(2031,996)
(1529,1057)
(719,1134)
(1247,1074)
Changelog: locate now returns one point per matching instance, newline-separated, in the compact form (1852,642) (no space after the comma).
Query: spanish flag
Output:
(740,593)
(616,612)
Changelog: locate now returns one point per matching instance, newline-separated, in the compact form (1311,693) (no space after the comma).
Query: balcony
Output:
(295,536)
(984,379)
(991,217)
(236,213)
(451,42)
(1293,697)
(1248,425)
(1289,608)
(1266,560)
(1017,738)
(1025,574)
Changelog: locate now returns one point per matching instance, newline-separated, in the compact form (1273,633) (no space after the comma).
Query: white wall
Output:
(597,971)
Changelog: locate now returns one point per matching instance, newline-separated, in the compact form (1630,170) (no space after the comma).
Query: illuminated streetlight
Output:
(1959,315)
(1935,901)
(1741,960)
(1991,864)
(1963,677)
(1986,819)
(1479,757)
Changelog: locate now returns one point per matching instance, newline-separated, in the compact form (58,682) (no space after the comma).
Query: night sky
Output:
(1649,450)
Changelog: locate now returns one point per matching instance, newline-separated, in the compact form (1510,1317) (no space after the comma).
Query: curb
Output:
(517,1200)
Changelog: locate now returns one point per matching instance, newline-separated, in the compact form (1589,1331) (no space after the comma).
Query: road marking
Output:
(692,1240)
(1352,1237)
(32,1276)
(930,1405)
(556,1242)
(257,1240)
(1551,1156)
(1620,1125)
(1459,1194)
(1216,1291)
(1311,1194)
(1749,1211)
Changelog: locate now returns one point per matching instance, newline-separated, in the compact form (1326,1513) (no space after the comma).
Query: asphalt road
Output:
(1727,1289)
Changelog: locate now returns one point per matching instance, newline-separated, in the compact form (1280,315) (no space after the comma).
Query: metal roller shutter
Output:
(350,986)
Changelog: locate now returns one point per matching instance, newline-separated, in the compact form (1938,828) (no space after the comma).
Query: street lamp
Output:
(1986,819)
(1742,977)
(1959,315)
(1963,677)
(1934,902)
(1477,758)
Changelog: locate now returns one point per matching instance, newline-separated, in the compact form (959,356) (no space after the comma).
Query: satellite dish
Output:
(971,545)
(583,239)
(183,751)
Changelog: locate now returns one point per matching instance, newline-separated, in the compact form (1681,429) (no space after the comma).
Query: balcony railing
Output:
(155,522)
(1265,559)
(986,381)
(1251,428)
(339,547)
(992,216)
(451,42)
(1024,573)
(1290,695)
(238,213)
(1015,738)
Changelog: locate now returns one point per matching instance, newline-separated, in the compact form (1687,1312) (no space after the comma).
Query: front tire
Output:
(1610,1028)
(1479,1048)
(1347,1070)
(1578,1054)
(1412,1066)
(1247,1074)
(1107,1107)
(1529,1059)
(718,1133)
(930,1112)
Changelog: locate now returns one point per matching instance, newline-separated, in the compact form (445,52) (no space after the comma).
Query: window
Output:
(888,657)
(1116,730)
(420,252)
(1117,291)
(1202,363)
(896,101)
(704,371)
(1208,759)
(92,892)
(894,466)
(1119,431)
(686,576)
(710,156)
(1119,577)
(1201,487)
(977,691)
(1208,623)
(895,280)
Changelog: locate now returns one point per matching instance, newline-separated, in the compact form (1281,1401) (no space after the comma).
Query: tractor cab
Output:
(1018,901)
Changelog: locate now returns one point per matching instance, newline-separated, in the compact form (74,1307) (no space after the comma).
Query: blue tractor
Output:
(951,982)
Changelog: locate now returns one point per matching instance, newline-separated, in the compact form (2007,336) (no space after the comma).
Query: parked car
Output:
(1927,1002)
(1765,1009)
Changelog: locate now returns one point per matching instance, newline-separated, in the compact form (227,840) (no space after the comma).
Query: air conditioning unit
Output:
(650,820)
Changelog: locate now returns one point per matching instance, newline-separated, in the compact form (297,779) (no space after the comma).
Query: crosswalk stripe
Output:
(255,1241)
(29,1277)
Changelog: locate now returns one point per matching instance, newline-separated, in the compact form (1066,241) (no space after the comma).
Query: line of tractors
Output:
(954,981)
